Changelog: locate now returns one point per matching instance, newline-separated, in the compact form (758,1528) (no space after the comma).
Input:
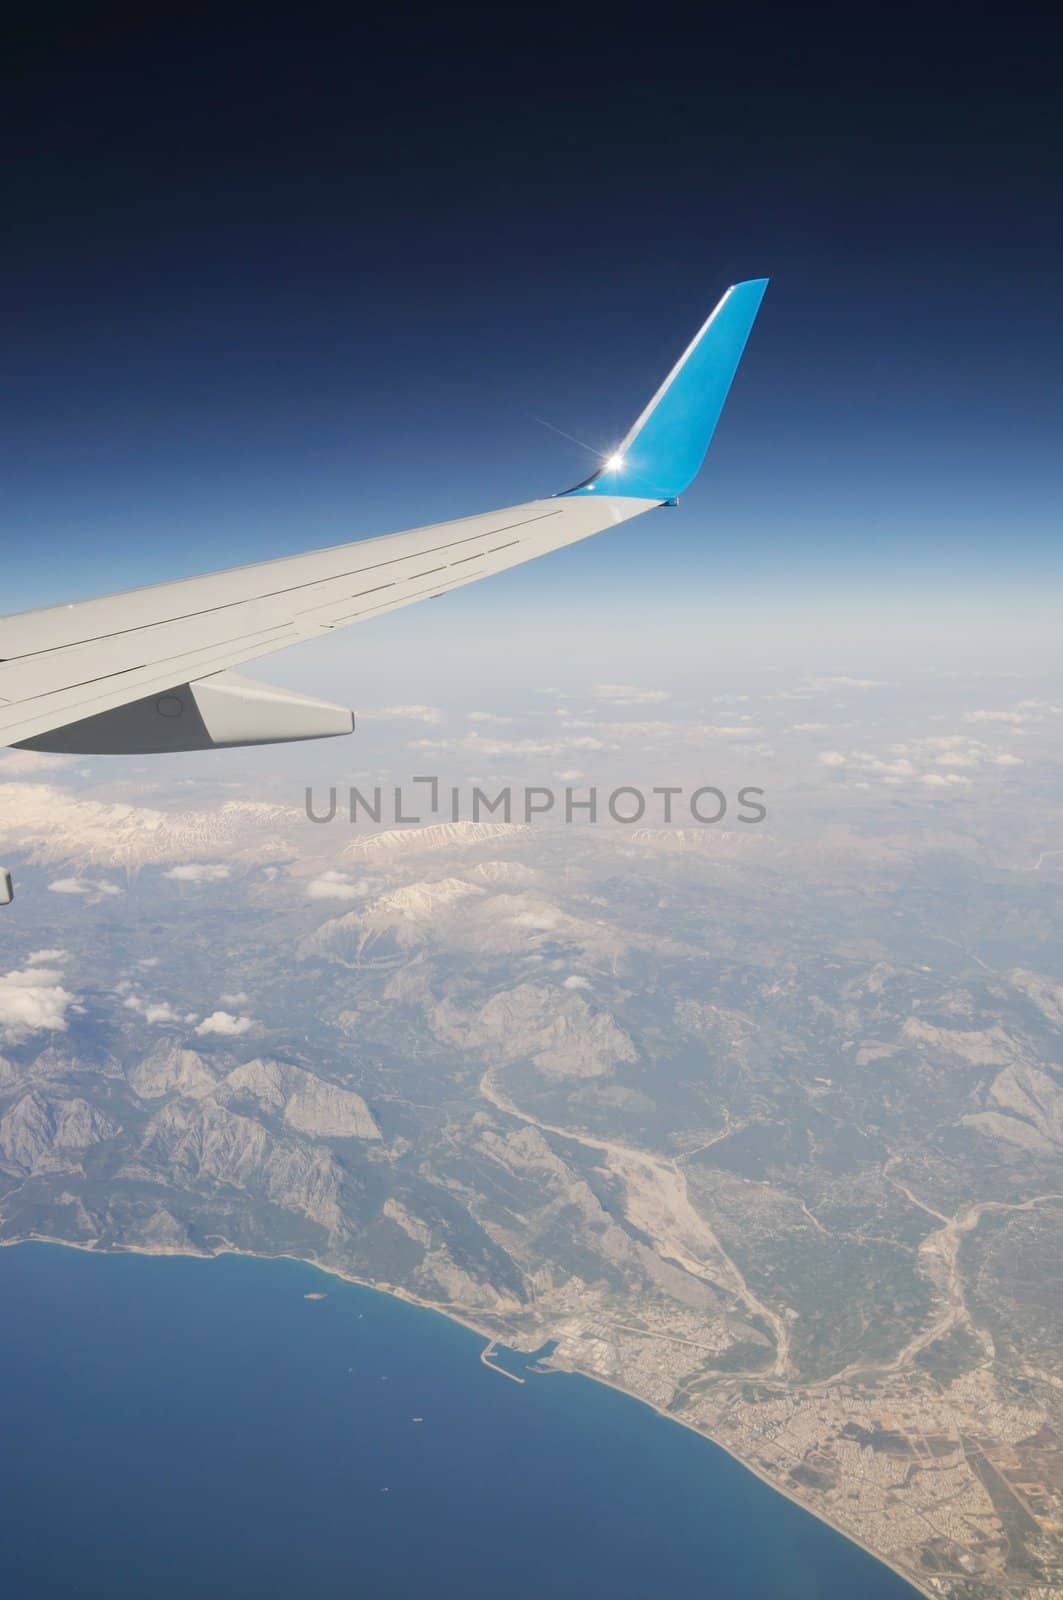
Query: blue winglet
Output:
(662,453)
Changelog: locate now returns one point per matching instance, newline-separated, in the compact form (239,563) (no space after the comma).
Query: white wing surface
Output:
(150,669)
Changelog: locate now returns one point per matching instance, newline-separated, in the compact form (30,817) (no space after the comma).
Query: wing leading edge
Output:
(150,669)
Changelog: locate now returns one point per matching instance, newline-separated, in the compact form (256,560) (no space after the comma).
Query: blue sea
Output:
(183,1428)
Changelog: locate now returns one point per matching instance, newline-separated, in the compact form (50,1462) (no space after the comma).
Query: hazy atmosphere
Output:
(721,1059)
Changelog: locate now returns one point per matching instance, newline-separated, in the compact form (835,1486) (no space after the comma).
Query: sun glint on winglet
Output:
(663,451)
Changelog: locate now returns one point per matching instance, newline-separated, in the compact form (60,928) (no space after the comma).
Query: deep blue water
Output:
(189,1428)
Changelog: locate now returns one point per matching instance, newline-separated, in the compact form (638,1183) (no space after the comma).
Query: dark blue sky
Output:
(272,285)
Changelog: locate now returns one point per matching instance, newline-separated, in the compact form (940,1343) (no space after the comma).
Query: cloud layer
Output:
(33,998)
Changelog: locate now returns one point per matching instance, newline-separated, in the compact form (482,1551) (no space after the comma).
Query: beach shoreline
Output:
(397,1292)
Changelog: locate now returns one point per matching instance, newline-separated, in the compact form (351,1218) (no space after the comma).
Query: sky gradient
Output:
(266,293)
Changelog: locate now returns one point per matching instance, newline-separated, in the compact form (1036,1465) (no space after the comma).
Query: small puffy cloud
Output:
(151,1010)
(959,758)
(488,716)
(159,1011)
(536,921)
(199,872)
(943,780)
(332,885)
(98,886)
(893,772)
(586,743)
(570,775)
(45,958)
(574,981)
(895,769)
(960,750)
(402,714)
(224,1022)
(32,1000)
(809,727)
(628,694)
(234,999)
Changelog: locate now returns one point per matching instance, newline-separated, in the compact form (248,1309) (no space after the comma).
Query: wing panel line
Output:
(271,594)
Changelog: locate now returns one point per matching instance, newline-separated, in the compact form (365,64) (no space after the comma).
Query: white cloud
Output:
(151,1010)
(575,982)
(225,1023)
(488,716)
(678,732)
(41,958)
(332,885)
(475,744)
(901,768)
(959,750)
(998,716)
(198,872)
(28,763)
(809,727)
(846,683)
(570,775)
(628,694)
(898,767)
(1025,711)
(402,714)
(32,1000)
(585,742)
(959,758)
(234,999)
(83,886)
(538,921)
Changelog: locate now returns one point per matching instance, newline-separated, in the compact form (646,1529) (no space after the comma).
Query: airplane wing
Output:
(150,670)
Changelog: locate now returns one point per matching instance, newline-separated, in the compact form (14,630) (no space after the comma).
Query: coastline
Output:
(398,1293)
